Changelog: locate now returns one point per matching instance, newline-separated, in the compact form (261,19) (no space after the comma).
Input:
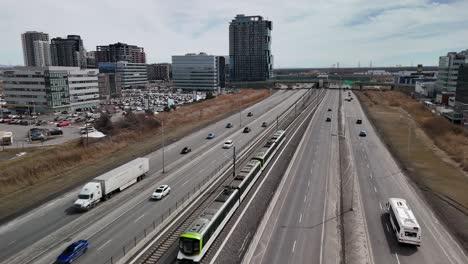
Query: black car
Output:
(246,129)
(185,150)
(56,131)
(229,125)
(264,124)
(328,119)
(359,121)
(250,114)
(24,123)
(329,109)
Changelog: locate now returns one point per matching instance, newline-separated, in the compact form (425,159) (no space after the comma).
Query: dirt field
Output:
(44,173)
(430,149)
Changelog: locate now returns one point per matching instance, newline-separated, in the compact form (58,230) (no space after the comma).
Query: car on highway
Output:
(185,150)
(228,144)
(161,192)
(359,121)
(56,131)
(246,130)
(211,136)
(228,125)
(73,251)
(362,133)
(329,109)
(250,114)
(63,123)
(328,119)
(264,124)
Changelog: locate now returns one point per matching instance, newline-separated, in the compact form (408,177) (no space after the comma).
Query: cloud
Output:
(306,33)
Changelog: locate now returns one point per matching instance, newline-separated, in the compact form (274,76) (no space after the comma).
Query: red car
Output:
(7,120)
(63,123)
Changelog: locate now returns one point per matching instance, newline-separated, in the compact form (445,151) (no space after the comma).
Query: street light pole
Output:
(163,143)
(234,162)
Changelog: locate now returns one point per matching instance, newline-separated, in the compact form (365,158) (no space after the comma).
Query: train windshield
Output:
(189,246)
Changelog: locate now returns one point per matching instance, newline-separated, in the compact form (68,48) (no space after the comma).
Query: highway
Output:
(302,227)
(380,178)
(46,230)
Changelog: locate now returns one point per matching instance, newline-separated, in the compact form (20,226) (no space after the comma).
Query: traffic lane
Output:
(146,212)
(386,181)
(300,215)
(33,226)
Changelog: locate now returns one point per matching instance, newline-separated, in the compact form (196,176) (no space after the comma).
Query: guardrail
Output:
(225,168)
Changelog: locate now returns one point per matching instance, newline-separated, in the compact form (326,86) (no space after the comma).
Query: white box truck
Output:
(116,180)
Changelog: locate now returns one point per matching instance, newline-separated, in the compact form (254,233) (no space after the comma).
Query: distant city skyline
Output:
(305,33)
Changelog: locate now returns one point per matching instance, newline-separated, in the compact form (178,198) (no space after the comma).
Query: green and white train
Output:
(197,239)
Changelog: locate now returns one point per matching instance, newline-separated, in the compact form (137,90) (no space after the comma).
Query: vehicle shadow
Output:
(393,244)
(72,211)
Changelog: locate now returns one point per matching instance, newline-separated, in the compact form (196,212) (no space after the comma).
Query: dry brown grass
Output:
(56,162)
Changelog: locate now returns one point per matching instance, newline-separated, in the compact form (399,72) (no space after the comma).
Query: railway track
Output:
(157,253)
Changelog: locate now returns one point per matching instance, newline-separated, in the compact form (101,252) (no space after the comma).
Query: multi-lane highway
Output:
(302,227)
(46,230)
(380,178)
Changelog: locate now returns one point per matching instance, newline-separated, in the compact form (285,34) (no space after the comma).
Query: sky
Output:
(309,33)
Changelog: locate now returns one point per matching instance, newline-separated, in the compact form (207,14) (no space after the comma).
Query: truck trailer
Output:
(6,138)
(116,180)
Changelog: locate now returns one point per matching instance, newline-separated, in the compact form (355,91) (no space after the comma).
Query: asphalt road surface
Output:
(302,227)
(379,179)
(46,230)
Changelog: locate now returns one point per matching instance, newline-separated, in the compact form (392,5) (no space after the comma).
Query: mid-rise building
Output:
(120,52)
(91,60)
(221,67)
(36,49)
(109,86)
(448,70)
(50,89)
(250,49)
(159,71)
(195,72)
(131,75)
(68,52)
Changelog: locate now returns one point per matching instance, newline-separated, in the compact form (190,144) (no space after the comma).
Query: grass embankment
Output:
(435,159)
(46,172)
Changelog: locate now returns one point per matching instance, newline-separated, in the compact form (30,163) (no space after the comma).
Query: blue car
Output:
(210,136)
(362,133)
(73,251)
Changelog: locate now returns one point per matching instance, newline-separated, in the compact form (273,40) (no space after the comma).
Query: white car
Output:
(160,192)
(228,144)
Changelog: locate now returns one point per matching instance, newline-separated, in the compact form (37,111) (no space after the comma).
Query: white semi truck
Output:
(116,180)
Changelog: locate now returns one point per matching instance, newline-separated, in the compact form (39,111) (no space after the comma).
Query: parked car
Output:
(228,144)
(65,112)
(359,121)
(264,124)
(73,251)
(63,123)
(228,125)
(211,136)
(58,118)
(37,134)
(87,130)
(56,131)
(250,114)
(328,119)
(161,192)
(185,150)
(79,119)
(7,120)
(362,133)
(246,129)
(24,123)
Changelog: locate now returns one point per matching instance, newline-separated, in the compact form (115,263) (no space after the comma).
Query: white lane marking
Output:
(300,218)
(381,208)
(388,229)
(308,183)
(103,245)
(294,246)
(370,175)
(367,165)
(375,189)
(11,243)
(136,220)
(396,256)
(305,198)
(186,182)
